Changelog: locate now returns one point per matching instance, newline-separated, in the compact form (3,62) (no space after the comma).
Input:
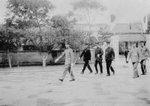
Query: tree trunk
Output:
(44,58)
(9,60)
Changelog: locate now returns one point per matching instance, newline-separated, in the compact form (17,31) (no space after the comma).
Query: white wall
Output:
(115,45)
(148,41)
(148,46)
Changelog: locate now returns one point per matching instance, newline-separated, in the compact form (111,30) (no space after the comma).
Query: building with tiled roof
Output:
(129,32)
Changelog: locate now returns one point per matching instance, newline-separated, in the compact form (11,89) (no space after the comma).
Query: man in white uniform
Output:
(134,55)
(69,61)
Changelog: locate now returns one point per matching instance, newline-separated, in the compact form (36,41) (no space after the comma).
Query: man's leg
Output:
(96,66)
(112,67)
(88,65)
(126,58)
(135,73)
(142,67)
(107,67)
(65,72)
(101,67)
(84,67)
(71,74)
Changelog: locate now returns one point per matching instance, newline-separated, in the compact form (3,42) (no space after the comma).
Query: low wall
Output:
(35,58)
(25,58)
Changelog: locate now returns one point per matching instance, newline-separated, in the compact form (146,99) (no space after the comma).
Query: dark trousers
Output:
(108,66)
(86,64)
(143,66)
(100,64)
(126,56)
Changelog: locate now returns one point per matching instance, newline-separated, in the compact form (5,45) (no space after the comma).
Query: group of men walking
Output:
(86,54)
(136,54)
(109,57)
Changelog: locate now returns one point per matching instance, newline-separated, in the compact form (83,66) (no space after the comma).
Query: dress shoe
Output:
(61,80)
(136,76)
(91,72)
(82,73)
(72,80)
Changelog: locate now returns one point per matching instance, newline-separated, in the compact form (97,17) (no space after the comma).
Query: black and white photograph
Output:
(75,53)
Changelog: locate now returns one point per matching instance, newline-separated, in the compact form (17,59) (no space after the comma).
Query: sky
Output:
(126,11)
(2,10)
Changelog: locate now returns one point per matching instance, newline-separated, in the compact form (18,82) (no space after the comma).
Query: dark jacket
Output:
(98,54)
(109,54)
(86,55)
(126,52)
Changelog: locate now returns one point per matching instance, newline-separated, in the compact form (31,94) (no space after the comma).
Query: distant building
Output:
(123,33)
(93,29)
(128,33)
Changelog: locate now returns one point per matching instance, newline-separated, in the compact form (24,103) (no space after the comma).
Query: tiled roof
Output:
(124,28)
(93,27)
(132,37)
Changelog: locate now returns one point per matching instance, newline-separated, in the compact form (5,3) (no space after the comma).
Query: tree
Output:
(9,39)
(87,6)
(48,40)
(30,11)
(31,14)
(60,22)
(76,39)
(66,33)
(71,17)
(62,27)
(104,34)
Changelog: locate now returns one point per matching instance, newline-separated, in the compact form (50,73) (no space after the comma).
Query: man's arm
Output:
(148,52)
(72,56)
(140,55)
(82,53)
(113,53)
(89,54)
(60,57)
(96,53)
(102,52)
(129,55)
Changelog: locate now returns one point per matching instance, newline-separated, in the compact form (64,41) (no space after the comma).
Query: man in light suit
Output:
(134,55)
(69,62)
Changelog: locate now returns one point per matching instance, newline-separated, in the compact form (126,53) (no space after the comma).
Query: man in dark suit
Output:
(86,54)
(98,59)
(126,54)
(109,57)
